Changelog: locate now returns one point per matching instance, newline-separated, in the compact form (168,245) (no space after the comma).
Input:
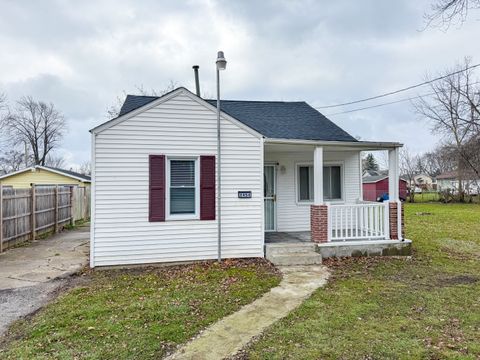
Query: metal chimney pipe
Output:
(197,81)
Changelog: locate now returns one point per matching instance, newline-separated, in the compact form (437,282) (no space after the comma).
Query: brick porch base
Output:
(393,211)
(319,223)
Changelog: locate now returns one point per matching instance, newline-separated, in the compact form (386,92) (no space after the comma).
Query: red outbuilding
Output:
(375,186)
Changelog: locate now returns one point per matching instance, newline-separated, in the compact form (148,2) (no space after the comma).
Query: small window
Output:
(182,187)
(305,183)
(332,183)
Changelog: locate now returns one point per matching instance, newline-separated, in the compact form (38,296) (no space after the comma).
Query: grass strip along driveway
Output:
(138,314)
(380,308)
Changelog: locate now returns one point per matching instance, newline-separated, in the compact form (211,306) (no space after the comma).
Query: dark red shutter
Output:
(157,188)
(207,187)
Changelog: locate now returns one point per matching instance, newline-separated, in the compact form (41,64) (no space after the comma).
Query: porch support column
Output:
(395,206)
(393,174)
(319,210)
(318,175)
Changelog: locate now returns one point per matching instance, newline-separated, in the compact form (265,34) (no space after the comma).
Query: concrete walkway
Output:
(31,275)
(232,333)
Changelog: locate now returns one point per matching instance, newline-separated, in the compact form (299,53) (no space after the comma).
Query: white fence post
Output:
(399,220)
(329,222)
(386,219)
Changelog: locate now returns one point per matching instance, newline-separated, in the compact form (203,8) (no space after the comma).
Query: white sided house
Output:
(291,185)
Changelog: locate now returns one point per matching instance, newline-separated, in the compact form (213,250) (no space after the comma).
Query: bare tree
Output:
(114,110)
(55,161)
(40,125)
(11,160)
(3,109)
(453,110)
(85,168)
(409,168)
(3,101)
(438,161)
(444,13)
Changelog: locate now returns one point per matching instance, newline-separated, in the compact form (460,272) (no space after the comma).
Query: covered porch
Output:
(313,193)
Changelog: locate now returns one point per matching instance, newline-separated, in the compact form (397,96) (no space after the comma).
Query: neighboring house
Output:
(448,181)
(424,182)
(43,175)
(375,185)
(284,168)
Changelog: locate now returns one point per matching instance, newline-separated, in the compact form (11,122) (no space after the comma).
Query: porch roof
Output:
(301,145)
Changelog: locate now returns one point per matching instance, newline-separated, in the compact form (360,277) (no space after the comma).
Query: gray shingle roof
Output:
(272,119)
(284,120)
(71,173)
(133,102)
(373,178)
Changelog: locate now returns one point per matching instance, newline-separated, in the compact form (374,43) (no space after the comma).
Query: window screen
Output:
(305,180)
(182,187)
(332,183)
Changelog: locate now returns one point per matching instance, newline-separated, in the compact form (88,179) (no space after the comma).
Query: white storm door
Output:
(270,197)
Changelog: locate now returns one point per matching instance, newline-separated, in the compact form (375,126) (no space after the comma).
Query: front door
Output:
(270,197)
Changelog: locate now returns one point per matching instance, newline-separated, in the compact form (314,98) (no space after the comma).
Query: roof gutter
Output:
(367,145)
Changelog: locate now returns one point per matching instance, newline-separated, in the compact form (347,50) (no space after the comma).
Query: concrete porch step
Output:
(280,249)
(300,258)
(293,254)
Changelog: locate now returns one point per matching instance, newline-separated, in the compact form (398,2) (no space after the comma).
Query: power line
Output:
(387,103)
(397,91)
(379,105)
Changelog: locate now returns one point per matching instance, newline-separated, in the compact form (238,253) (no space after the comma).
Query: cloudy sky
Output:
(82,55)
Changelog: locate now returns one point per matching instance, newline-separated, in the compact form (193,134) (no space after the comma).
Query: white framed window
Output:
(332,182)
(305,183)
(183,188)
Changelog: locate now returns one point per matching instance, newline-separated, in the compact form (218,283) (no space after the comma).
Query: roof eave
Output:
(365,145)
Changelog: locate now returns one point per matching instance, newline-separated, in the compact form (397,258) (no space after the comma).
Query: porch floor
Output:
(287,237)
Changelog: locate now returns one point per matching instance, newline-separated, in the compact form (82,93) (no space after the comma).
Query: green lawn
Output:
(379,308)
(427,197)
(138,314)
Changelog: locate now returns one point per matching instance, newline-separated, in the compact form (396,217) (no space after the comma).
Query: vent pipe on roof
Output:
(197,81)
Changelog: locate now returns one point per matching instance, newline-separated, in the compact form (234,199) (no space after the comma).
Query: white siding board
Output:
(179,126)
(294,216)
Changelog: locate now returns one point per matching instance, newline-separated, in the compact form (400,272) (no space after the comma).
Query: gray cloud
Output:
(81,55)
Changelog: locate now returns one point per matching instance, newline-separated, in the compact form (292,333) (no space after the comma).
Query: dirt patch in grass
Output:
(459,280)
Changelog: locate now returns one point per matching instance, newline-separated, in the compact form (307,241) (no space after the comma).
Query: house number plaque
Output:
(244,194)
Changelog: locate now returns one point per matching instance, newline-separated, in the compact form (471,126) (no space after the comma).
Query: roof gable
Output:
(135,105)
(272,119)
(67,173)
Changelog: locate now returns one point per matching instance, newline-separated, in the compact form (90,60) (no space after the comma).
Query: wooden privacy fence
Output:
(27,213)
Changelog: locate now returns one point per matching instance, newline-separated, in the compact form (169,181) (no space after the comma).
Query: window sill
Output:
(182,217)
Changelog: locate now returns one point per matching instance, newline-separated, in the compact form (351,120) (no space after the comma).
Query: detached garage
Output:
(375,186)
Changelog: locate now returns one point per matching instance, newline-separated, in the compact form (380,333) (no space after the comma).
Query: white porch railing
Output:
(365,221)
